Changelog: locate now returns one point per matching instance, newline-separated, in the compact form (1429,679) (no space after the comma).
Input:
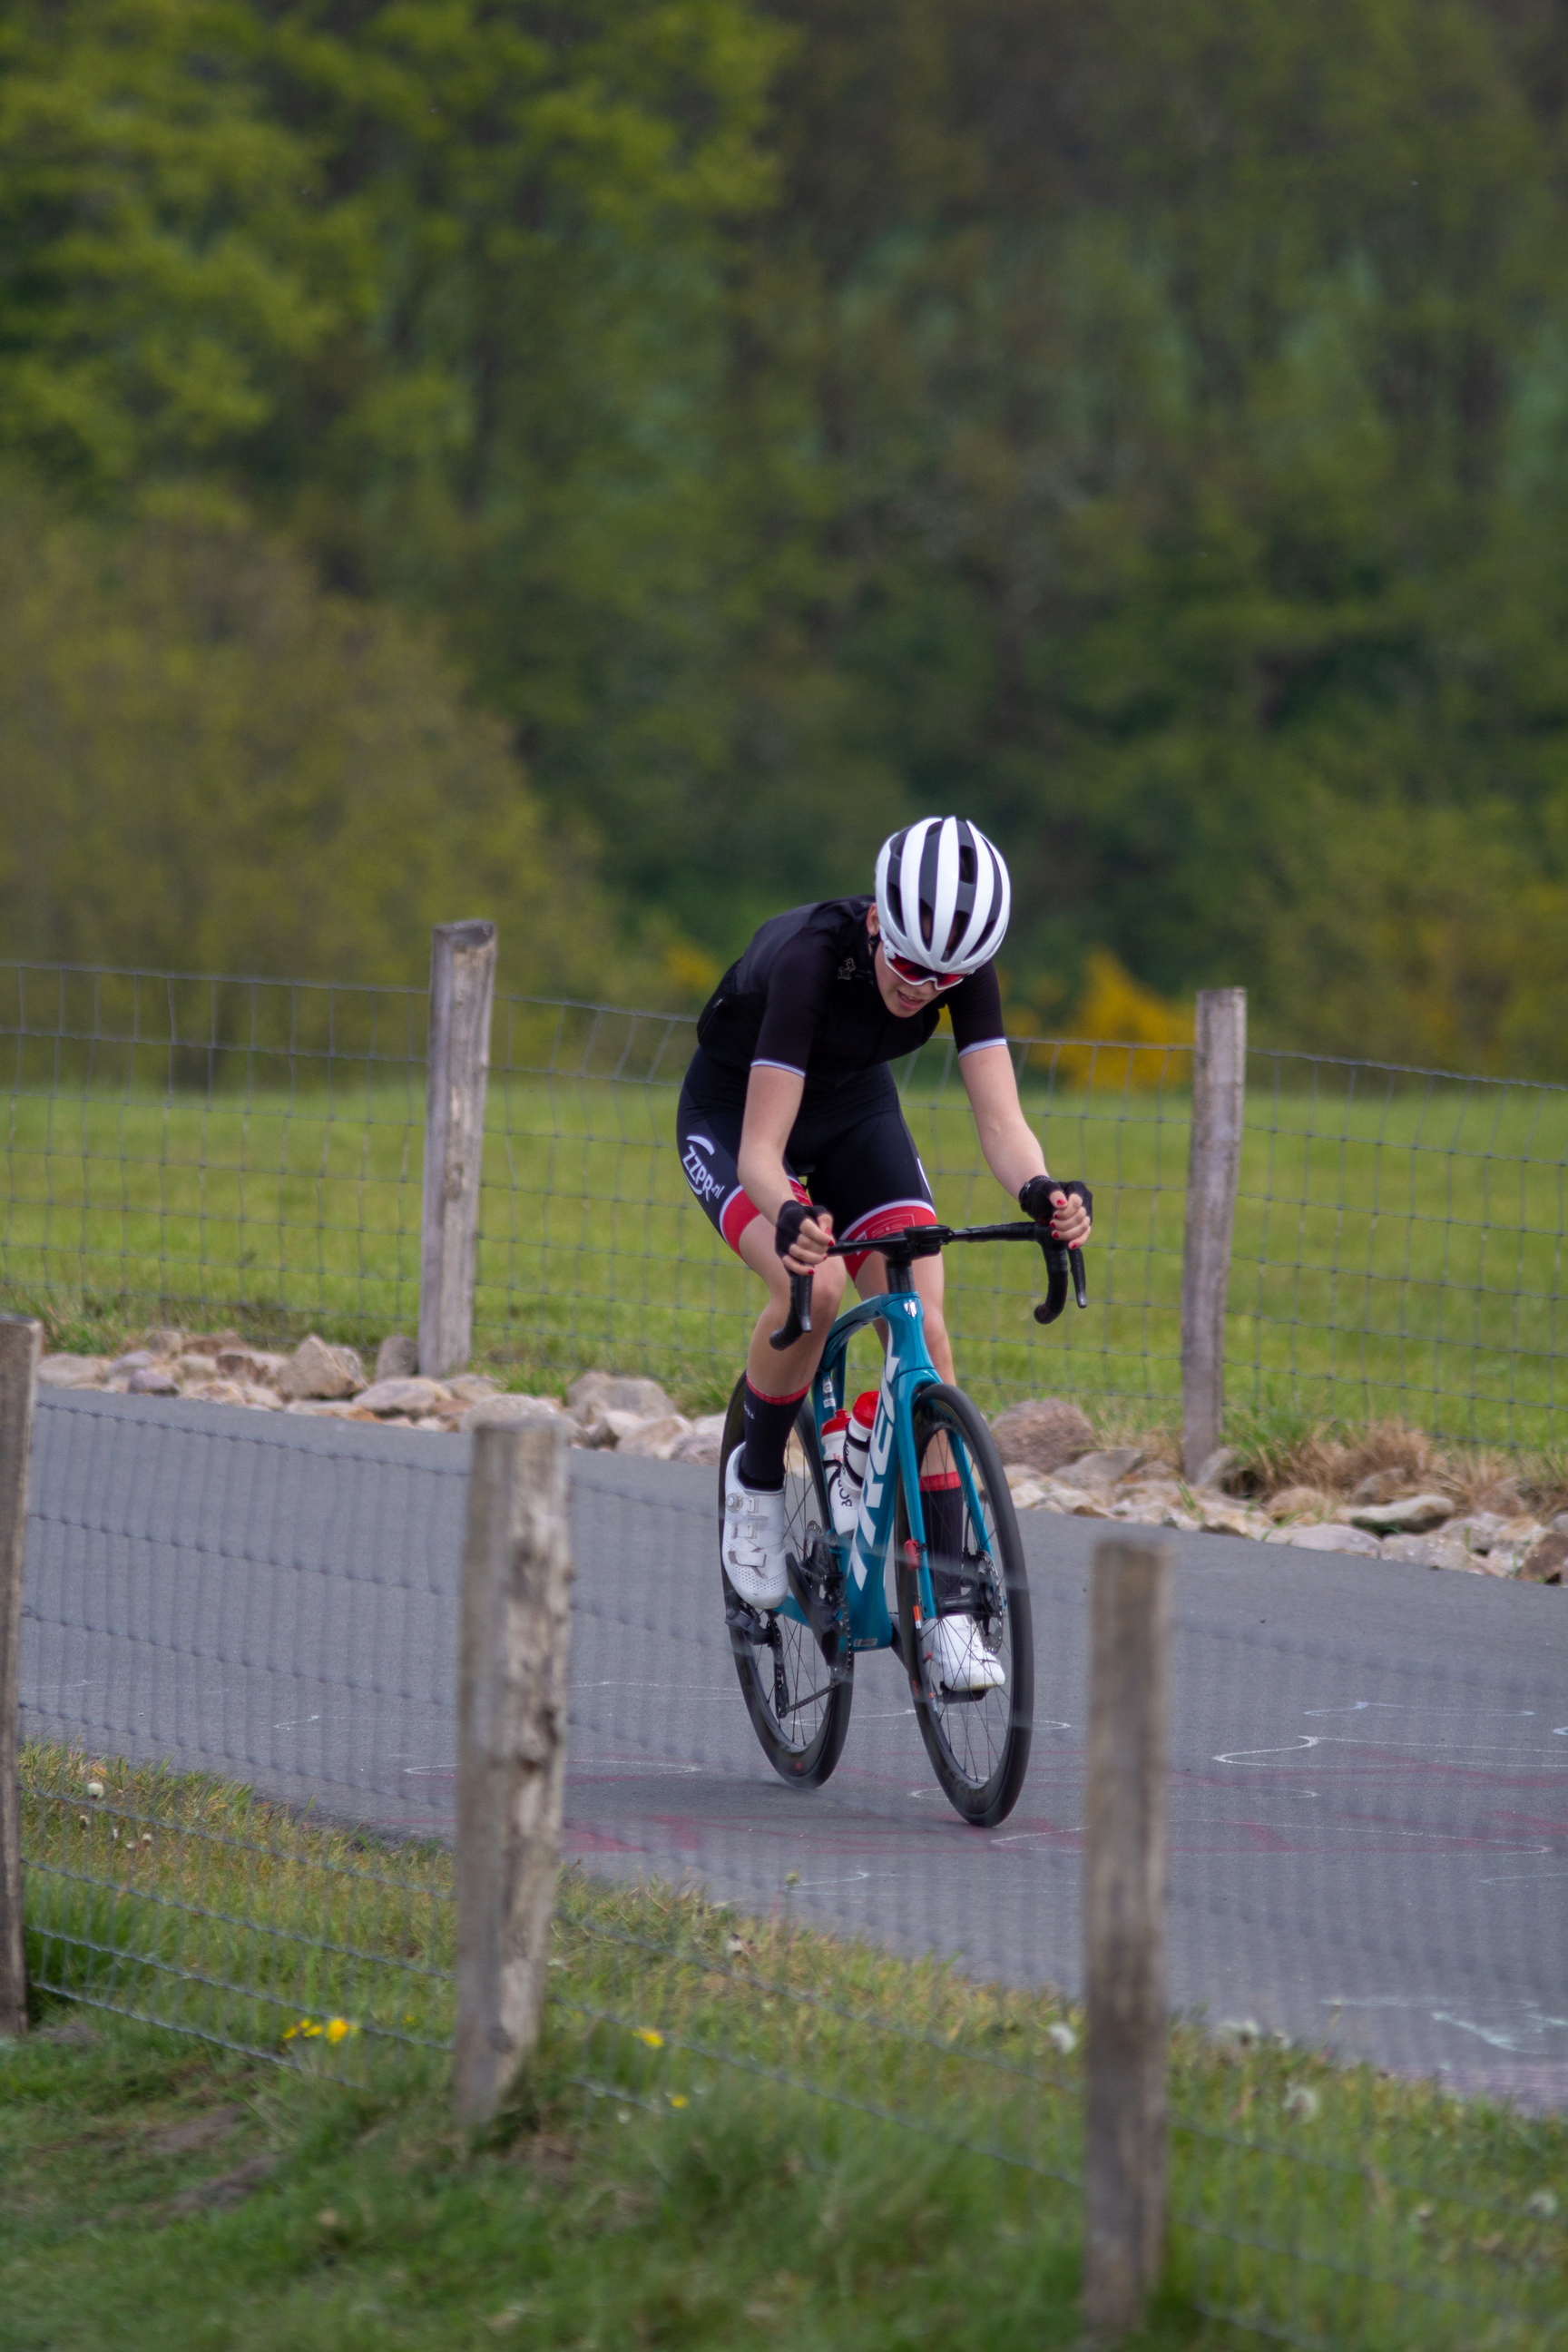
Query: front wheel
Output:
(978,1742)
(799,1712)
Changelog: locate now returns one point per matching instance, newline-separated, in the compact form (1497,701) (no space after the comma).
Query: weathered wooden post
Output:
(462,986)
(20,1339)
(511,1749)
(1214,1163)
(1124,1932)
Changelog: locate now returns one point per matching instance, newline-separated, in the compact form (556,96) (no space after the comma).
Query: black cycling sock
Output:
(942,1500)
(767,1422)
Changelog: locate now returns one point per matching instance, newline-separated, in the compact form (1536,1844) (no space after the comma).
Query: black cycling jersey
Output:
(803,997)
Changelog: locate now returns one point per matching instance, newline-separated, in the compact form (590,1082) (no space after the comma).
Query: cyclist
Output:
(790,1082)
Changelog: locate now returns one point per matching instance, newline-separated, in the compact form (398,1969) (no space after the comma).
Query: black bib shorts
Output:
(850,1151)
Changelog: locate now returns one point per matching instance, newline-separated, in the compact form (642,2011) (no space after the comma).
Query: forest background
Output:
(602,465)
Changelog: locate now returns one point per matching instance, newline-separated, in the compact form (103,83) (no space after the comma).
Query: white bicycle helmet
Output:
(942,895)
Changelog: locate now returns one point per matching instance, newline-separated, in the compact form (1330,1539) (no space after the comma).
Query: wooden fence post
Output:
(1124,1932)
(19,1345)
(462,985)
(1219,1093)
(511,1749)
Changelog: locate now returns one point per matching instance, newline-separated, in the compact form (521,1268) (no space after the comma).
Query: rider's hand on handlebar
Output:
(1068,1208)
(803,1236)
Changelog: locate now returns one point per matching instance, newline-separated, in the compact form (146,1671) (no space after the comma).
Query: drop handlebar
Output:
(901,1249)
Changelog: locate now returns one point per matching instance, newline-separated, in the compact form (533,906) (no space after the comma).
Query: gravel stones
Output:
(1381,1486)
(416,1396)
(703,1442)
(1043,1435)
(594,1395)
(1546,1561)
(511,1411)
(1092,1471)
(1300,1503)
(656,1440)
(397,1357)
(152,1379)
(249,1364)
(316,1368)
(1408,1515)
(1431,1551)
(1327,1537)
(73,1371)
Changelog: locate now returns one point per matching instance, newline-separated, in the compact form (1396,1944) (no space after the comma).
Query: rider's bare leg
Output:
(929,1280)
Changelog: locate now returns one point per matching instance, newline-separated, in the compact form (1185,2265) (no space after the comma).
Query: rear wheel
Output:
(979,1744)
(799,1713)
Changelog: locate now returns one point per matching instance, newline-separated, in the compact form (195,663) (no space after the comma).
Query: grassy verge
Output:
(1395,1253)
(735,2133)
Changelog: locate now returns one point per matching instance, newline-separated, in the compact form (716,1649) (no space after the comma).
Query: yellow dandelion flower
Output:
(649,2035)
(339,2029)
(677,2098)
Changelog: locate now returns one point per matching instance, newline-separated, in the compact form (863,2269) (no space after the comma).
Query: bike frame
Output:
(908,1368)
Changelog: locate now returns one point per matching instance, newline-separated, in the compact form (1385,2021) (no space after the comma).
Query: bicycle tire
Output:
(978,1746)
(800,1716)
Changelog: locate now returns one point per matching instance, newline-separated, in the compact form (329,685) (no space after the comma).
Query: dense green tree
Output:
(211,765)
(1176,375)
(1144,426)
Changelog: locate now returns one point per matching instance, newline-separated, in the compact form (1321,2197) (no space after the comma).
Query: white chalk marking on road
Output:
(1535,2020)
(1308,1739)
(848,1878)
(298,1724)
(1018,1837)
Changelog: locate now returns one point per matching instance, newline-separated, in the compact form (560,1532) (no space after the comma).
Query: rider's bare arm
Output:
(773,1104)
(1011,1148)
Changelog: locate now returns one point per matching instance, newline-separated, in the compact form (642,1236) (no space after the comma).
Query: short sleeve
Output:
(797,994)
(975,1010)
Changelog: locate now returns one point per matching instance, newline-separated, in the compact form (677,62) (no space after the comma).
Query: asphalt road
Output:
(1369,1802)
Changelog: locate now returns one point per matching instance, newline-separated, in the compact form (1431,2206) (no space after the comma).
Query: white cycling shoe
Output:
(752,1546)
(961,1659)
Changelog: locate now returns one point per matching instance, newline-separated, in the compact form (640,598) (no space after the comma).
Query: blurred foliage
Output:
(1145,427)
(1153,1034)
(212,765)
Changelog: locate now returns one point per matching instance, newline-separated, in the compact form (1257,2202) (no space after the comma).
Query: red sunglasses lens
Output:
(917,975)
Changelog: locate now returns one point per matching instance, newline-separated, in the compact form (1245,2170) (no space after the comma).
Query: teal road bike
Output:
(873,1588)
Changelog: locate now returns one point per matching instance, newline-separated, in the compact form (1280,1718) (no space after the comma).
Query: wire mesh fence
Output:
(228,1631)
(247,1153)
(1369,1835)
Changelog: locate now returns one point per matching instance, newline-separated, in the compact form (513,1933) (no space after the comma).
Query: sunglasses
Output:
(915,975)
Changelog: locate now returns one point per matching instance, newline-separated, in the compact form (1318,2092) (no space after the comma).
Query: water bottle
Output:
(846,1441)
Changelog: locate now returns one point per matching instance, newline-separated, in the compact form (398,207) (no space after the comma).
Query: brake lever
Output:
(1061,1263)
(799,1319)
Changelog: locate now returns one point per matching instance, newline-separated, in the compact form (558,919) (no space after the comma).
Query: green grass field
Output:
(737,2132)
(1397,1252)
